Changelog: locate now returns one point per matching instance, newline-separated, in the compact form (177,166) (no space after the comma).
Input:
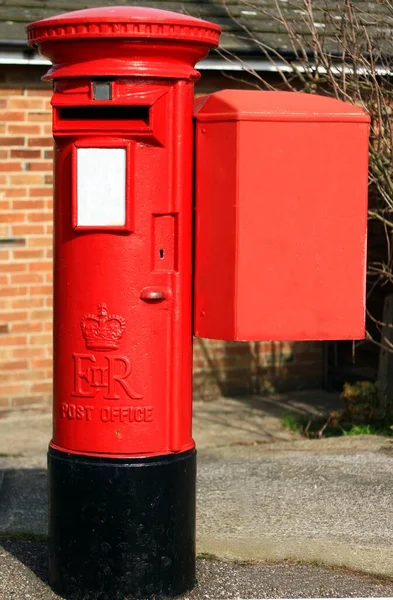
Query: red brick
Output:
(39,216)
(13,316)
(39,242)
(12,217)
(13,91)
(11,267)
(17,192)
(27,278)
(40,266)
(28,204)
(5,254)
(41,314)
(29,327)
(41,290)
(14,365)
(28,302)
(4,154)
(24,129)
(10,390)
(26,401)
(26,179)
(10,166)
(40,340)
(40,141)
(26,102)
(14,340)
(21,230)
(42,363)
(22,376)
(40,117)
(47,92)
(28,254)
(4,327)
(41,192)
(12,115)
(40,166)
(25,153)
(13,291)
(28,352)
(12,141)
(43,387)
(48,154)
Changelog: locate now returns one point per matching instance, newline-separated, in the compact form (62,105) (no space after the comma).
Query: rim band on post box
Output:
(122,461)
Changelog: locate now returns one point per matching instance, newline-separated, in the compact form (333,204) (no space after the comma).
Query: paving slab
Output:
(333,509)
(23,576)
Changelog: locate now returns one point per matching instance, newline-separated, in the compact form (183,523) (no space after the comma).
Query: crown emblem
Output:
(102,331)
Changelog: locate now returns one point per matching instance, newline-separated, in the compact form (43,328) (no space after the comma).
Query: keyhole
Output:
(162,253)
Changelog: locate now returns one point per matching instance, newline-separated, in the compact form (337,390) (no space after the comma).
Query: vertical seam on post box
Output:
(237,231)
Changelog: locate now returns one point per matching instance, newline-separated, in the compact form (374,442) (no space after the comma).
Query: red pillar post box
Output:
(122,457)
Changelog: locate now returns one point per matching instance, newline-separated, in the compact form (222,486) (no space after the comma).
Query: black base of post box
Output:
(121,528)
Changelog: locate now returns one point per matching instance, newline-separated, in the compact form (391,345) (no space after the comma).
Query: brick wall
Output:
(26,271)
(25,240)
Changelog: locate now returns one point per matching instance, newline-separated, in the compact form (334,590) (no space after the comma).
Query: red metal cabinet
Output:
(281,216)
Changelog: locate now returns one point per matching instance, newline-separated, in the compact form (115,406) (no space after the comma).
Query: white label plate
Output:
(101,187)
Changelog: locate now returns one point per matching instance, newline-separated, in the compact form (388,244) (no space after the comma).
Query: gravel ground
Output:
(23,576)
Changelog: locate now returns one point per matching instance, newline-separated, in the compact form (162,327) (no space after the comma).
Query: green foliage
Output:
(366,412)
(293,423)
(362,430)
(364,405)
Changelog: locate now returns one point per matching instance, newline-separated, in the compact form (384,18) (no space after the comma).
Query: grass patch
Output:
(293,423)
(331,426)
(367,430)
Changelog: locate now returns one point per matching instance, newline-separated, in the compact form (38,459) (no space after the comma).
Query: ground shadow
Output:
(32,553)
(24,518)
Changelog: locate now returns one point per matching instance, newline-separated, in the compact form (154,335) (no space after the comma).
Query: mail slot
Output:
(281,217)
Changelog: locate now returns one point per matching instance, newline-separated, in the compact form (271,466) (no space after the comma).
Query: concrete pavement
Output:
(23,576)
(264,494)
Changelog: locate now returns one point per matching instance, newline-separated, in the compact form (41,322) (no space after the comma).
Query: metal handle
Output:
(150,294)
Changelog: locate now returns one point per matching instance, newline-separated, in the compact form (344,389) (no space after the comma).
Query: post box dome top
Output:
(121,41)
(123,21)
